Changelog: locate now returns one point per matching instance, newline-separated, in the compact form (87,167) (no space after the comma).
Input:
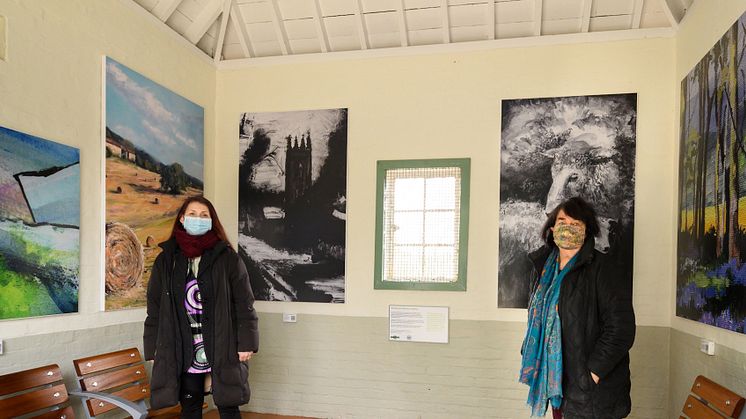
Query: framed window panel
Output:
(422,218)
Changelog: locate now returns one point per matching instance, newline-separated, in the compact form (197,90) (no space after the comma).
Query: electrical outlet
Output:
(707,346)
(289,317)
(1,347)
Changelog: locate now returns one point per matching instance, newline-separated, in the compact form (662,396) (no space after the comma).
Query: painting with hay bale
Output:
(154,145)
(39,226)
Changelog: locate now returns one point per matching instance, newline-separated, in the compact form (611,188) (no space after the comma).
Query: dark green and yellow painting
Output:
(39,226)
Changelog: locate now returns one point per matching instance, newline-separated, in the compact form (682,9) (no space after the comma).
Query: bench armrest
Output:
(133,409)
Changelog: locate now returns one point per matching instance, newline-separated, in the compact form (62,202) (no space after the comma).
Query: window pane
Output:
(440,228)
(440,264)
(440,193)
(408,228)
(407,263)
(409,194)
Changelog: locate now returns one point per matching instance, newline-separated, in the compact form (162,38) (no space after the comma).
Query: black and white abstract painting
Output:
(292,204)
(553,149)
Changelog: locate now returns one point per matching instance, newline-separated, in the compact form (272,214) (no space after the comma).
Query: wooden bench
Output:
(40,393)
(39,390)
(120,373)
(710,400)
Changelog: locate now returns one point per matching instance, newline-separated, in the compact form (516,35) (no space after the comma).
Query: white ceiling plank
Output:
(243,35)
(403,31)
(318,18)
(491,19)
(669,11)
(282,34)
(362,33)
(538,8)
(203,21)
(446,23)
(226,14)
(165,8)
(637,14)
(585,20)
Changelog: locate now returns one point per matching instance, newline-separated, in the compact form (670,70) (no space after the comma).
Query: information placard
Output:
(418,324)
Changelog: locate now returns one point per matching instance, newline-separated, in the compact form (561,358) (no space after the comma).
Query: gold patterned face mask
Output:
(568,236)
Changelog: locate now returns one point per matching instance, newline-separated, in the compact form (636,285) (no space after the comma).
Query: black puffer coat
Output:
(598,329)
(229,324)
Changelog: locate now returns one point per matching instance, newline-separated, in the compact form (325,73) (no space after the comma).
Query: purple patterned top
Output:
(193,304)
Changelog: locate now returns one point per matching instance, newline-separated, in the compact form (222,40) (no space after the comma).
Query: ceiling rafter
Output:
(318,17)
(637,14)
(538,11)
(280,31)
(669,13)
(226,14)
(585,21)
(165,8)
(362,31)
(491,20)
(239,25)
(446,23)
(403,32)
(203,21)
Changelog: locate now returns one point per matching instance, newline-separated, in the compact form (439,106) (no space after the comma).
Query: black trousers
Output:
(192,396)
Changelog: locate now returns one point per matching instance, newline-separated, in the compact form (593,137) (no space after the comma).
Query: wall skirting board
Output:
(345,367)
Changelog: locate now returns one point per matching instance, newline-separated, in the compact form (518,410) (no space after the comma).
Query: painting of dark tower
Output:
(292,204)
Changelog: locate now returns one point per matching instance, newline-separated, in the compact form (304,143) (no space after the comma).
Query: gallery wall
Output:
(50,85)
(448,105)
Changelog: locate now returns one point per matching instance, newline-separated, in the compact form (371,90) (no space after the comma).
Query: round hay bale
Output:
(156,201)
(150,241)
(124,258)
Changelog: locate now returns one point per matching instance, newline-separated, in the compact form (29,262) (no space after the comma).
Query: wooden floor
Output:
(213,414)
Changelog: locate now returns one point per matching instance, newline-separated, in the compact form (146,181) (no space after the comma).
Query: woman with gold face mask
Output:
(581,324)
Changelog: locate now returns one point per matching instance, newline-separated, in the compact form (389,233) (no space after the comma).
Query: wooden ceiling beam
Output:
(282,35)
(403,31)
(637,14)
(239,23)
(585,20)
(226,14)
(318,17)
(360,20)
(206,17)
(491,32)
(538,16)
(445,21)
(165,8)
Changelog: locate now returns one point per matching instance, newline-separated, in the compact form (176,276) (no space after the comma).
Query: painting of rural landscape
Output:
(154,145)
(39,226)
(292,204)
(711,274)
(553,149)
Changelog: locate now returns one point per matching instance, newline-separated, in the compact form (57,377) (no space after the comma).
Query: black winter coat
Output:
(229,324)
(598,329)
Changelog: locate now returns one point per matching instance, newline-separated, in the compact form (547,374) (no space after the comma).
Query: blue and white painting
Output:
(39,226)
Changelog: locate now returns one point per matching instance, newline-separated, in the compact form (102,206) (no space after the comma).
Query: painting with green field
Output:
(39,226)
(711,274)
(154,145)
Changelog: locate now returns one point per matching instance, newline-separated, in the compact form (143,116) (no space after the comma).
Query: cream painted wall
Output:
(704,24)
(50,86)
(448,105)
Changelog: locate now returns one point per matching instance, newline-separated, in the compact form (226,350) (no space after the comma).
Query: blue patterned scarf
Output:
(541,367)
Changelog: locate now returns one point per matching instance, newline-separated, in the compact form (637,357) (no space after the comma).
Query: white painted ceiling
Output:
(233,30)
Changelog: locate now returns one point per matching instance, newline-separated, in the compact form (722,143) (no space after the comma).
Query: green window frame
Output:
(387,173)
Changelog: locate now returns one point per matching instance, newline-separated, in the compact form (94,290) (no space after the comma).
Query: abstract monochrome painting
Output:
(39,226)
(292,204)
(553,149)
(711,273)
(154,154)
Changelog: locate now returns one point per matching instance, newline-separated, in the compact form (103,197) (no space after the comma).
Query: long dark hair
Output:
(577,208)
(217,227)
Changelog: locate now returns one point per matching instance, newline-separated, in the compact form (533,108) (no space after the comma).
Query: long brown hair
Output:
(217,227)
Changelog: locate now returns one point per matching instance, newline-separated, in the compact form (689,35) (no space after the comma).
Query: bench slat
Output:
(102,362)
(695,409)
(718,396)
(24,380)
(65,413)
(132,393)
(113,379)
(33,401)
